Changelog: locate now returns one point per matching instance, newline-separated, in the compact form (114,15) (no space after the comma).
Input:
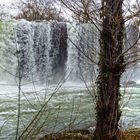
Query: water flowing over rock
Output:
(83,48)
(24,50)
(131,42)
(42,50)
(132,49)
(50,51)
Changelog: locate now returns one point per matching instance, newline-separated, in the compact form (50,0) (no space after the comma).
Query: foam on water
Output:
(43,54)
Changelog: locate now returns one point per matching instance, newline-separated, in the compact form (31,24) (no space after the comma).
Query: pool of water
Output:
(55,108)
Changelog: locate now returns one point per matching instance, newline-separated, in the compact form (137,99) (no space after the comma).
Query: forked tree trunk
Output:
(111,67)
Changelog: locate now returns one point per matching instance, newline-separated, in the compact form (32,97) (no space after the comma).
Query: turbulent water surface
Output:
(47,73)
(72,106)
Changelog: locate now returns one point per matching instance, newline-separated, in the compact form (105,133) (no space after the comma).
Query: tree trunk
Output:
(111,67)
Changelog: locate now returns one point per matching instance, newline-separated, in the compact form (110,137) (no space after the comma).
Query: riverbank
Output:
(130,134)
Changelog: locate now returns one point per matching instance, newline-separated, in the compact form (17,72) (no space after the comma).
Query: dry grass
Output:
(70,135)
(131,134)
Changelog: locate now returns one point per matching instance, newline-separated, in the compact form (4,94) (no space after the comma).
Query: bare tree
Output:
(111,18)
(83,11)
(110,71)
(39,10)
(136,8)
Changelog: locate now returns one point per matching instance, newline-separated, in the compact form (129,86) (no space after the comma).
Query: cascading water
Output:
(42,50)
(82,52)
(47,51)
(58,50)
(8,61)
(41,41)
(131,55)
(24,50)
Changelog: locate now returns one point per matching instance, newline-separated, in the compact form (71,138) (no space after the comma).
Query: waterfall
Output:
(131,35)
(83,50)
(42,50)
(24,50)
(8,61)
(132,71)
(58,50)
(49,51)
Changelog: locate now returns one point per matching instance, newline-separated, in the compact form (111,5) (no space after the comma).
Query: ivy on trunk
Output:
(111,67)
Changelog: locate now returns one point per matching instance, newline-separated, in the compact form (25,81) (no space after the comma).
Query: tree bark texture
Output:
(111,67)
